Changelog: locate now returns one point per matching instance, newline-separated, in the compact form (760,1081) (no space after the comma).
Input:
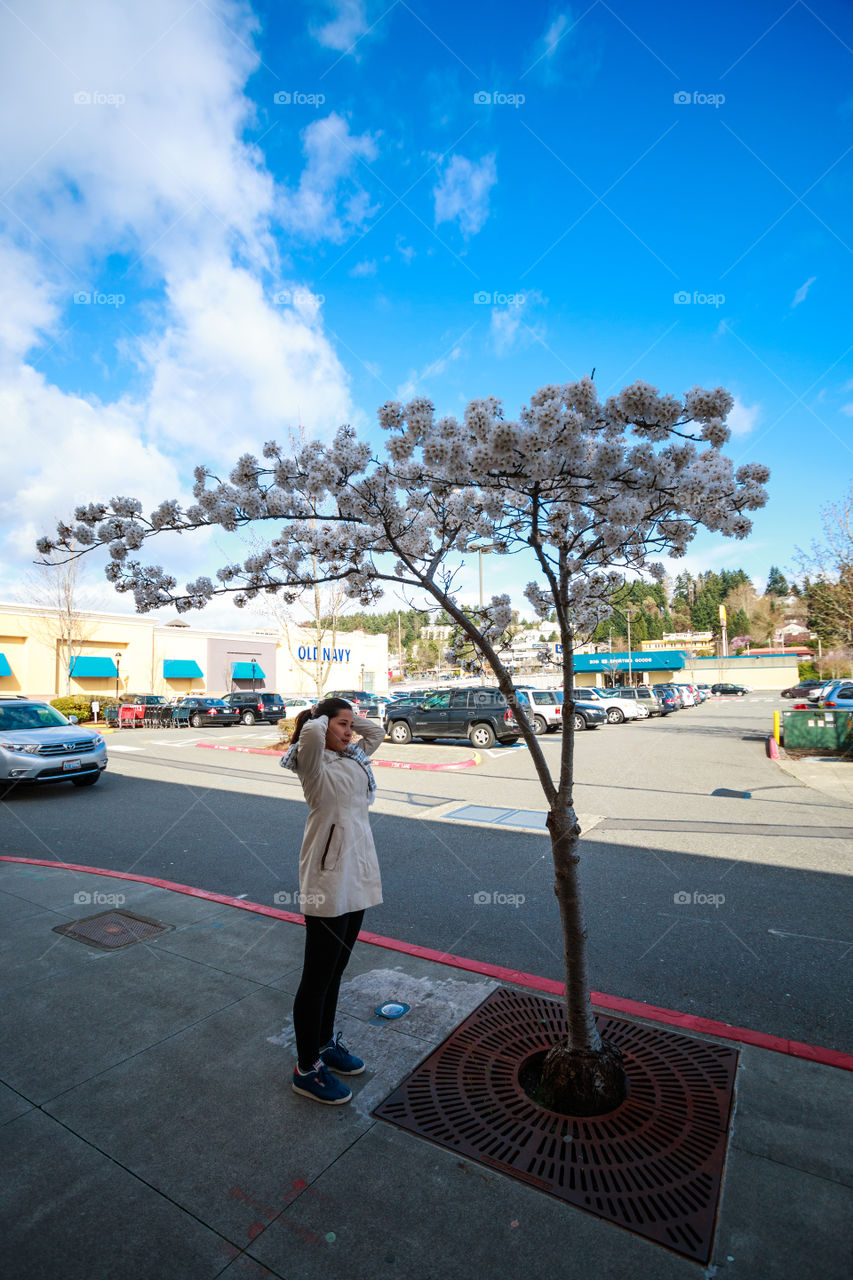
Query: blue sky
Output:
(220,222)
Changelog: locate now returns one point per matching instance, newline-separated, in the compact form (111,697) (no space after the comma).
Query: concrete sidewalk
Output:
(151,1132)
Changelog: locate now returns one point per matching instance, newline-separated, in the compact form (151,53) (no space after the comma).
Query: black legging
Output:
(329,941)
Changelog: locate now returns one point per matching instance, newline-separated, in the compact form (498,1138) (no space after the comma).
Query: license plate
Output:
(69,765)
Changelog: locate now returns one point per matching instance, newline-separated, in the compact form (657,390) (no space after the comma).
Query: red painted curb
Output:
(616,1004)
(377,764)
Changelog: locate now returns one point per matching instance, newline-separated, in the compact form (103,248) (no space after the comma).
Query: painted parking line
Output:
(120,746)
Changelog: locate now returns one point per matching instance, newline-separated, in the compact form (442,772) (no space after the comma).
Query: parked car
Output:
(728,690)
(644,695)
(481,715)
(627,709)
(294,703)
(209,711)
(840,696)
(38,744)
(366,704)
(251,707)
(822,690)
(543,708)
(588,714)
(803,689)
(668,697)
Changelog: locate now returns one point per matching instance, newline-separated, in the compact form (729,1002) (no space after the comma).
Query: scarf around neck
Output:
(290,760)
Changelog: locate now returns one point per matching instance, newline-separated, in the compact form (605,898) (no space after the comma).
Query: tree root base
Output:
(576,1082)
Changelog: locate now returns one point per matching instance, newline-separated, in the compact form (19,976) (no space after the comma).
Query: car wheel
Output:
(482,735)
(579,722)
(195,720)
(539,725)
(88,781)
(248,717)
(614,716)
(400,732)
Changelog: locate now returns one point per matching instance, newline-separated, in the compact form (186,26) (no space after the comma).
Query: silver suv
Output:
(645,696)
(38,744)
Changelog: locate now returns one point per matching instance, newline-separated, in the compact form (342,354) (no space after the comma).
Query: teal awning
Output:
(93,668)
(181,669)
(5,669)
(246,671)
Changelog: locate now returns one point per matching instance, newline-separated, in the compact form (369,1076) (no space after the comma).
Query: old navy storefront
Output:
(606,670)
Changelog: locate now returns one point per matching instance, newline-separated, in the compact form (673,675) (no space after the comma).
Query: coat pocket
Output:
(331,850)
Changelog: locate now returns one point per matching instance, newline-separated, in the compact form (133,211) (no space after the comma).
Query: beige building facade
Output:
(45,656)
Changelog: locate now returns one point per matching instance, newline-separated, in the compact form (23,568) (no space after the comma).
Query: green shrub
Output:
(80,705)
(808,671)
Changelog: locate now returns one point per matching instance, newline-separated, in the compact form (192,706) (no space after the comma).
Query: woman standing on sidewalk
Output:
(338,880)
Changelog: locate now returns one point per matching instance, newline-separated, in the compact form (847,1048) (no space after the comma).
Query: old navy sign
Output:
(308,653)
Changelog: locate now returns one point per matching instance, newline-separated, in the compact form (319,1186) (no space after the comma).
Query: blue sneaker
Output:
(321,1086)
(338,1058)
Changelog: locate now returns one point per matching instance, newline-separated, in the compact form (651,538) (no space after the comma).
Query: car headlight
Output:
(25,747)
(98,740)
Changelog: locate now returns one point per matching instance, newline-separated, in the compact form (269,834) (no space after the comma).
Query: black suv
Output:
(252,707)
(482,715)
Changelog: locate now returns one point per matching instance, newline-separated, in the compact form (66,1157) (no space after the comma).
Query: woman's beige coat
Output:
(338,867)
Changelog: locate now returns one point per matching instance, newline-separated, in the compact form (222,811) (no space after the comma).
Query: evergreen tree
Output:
(777,583)
(739,623)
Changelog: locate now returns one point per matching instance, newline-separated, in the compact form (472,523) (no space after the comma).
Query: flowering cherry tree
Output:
(589,491)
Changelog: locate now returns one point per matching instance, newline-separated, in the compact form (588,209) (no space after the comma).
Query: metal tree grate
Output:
(654,1165)
(111,930)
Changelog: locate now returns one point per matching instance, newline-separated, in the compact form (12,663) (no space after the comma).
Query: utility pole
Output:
(400,644)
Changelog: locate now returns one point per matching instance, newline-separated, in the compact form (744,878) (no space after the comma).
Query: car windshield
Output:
(30,716)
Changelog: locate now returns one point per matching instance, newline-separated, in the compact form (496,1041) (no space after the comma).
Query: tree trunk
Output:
(583,1075)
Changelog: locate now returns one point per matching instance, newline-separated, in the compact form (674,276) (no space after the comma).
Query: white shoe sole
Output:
(326,1102)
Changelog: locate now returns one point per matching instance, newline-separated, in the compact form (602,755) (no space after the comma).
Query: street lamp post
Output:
(118,665)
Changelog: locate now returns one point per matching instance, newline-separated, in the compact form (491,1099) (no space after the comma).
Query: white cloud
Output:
(333,155)
(743,418)
(800,295)
(462,193)
(365,268)
(165,179)
(848,409)
(512,326)
(555,33)
(348,23)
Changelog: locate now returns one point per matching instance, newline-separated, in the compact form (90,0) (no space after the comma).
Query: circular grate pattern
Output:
(111,930)
(654,1165)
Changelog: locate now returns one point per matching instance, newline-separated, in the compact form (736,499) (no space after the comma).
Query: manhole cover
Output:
(654,1165)
(111,930)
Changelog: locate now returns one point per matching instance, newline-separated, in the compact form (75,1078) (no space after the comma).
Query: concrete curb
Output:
(470,763)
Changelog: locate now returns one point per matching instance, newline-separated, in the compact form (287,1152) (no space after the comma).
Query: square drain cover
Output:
(112,929)
(653,1165)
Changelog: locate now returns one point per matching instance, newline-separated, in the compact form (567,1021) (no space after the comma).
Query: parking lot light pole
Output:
(118,665)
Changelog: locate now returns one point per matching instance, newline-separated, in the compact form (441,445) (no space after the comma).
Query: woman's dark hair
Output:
(328,707)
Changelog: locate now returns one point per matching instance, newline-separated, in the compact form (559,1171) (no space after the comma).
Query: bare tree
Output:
(63,627)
